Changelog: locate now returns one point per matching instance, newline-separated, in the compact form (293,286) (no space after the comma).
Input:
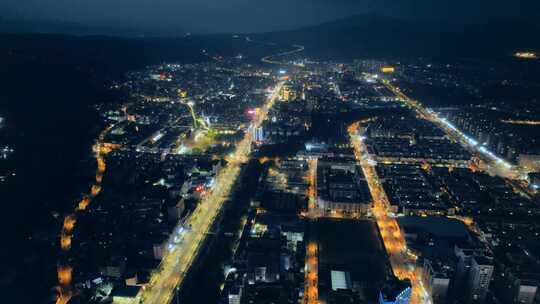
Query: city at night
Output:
(272,152)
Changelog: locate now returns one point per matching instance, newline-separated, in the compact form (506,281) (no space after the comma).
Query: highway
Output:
(402,262)
(491,163)
(494,163)
(192,234)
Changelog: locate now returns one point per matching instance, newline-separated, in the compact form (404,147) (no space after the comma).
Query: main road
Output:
(494,163)
(187,238)
(402,262)
(311,277)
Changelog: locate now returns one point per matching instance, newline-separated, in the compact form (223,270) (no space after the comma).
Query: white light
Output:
(157,137)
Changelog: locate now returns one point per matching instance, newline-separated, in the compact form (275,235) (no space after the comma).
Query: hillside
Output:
(377,36)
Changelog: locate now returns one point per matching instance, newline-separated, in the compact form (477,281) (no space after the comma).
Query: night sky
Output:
(205,16)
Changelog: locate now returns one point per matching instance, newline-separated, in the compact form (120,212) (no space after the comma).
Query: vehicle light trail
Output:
(403,264)
(64,272)
(177,261)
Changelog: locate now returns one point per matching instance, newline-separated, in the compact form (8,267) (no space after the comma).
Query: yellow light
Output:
(526,55)
(182,93)
(64,274)
(83,203)
(69,222)
(388,69)
(65,241)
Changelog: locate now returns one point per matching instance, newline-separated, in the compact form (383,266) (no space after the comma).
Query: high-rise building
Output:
(290,92)
(473,275)
(285,93)
(257,134)
(437,279)
(480,275)
(516,286)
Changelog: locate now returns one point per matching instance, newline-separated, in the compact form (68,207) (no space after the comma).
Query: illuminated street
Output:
(64,272)
(403,264)
(312,212)
(494,163)
(177,261)
(311,292)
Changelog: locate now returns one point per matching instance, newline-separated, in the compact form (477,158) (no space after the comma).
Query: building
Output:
(396,292)
(517,276)
(518,288)
(479,278)
(114,267)
(159,246)
(534,180)
(530,162)
(473,277)
(258,134)
(340,280)
(342,188)
(287,93)
(437,278)
(174,211)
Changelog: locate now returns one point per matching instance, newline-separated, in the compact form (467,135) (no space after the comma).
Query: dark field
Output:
(352,246)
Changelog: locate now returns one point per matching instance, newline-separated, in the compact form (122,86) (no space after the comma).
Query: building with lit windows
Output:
(342,188)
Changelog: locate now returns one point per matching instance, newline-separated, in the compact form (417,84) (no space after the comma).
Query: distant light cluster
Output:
(526,55)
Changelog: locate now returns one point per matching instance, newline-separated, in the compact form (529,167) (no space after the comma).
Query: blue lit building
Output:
(399,292)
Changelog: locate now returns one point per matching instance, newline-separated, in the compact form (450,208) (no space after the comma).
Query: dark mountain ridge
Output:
(380,36)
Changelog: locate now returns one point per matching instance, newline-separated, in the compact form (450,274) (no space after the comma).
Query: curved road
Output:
(64,271)
(268,59)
